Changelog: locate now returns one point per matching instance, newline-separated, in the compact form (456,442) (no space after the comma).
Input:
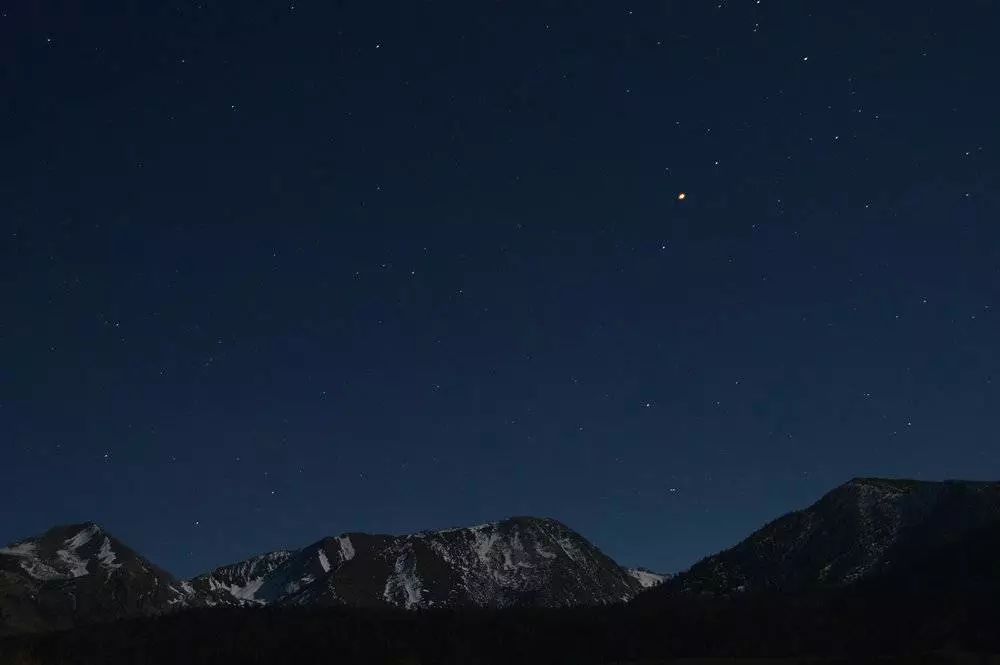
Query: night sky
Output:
(275,271)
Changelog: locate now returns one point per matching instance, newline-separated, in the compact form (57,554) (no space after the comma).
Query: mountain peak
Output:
(84,529)
(534,519)
(513,520)
(853,532)
(521,560)
(910,483)
(65,552)
(890,484)
(79,572)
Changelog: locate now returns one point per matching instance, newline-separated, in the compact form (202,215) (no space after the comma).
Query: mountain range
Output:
(77,573)
(904,536)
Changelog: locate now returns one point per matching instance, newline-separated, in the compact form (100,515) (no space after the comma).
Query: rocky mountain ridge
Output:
(80,572)
(855,532)
(517,562)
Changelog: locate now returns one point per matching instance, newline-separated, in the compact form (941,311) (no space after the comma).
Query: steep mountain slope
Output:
(235,584)
(77,572)
(516,562)
(858,530)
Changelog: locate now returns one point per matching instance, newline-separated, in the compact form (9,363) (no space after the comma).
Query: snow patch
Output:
(296,585)
(646,578)
(323,561)
(181,594)
(107,556)
(346,548)
(81,538)
(459,528)
(20,549)
(77,567)
(403,587)
(483,543)
(247,591)
(30,561)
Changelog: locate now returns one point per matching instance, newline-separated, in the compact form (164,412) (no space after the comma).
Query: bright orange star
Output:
(682,196)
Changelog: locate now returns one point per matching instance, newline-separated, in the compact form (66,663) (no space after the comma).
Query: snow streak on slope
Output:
(107,556)
(346,548)
(403,587)
(323,561)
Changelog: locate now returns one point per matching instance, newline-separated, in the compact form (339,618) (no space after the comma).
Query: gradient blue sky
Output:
(275,271)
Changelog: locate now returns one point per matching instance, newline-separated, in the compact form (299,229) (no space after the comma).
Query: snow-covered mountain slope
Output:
(236,584)
(78,572)
(647,578)
(520,561)
(858,530)
(65,553)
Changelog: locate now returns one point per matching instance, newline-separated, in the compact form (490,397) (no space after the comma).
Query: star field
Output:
(663,271)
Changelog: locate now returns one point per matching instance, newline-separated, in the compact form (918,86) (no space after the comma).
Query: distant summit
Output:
(858,530)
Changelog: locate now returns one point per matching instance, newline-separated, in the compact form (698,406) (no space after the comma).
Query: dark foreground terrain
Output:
(856,627)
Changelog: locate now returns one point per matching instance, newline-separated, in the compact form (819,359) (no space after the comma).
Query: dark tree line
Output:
(848,628)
